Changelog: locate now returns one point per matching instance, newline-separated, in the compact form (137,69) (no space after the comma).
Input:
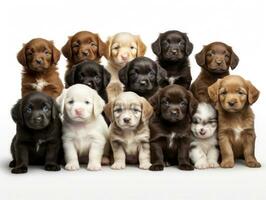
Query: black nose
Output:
(126,120)
(85,52)
(174,51)
(232,103)
(219,62)
(38,119)
(173,112)
(143,82)
(39,61)
(90,84)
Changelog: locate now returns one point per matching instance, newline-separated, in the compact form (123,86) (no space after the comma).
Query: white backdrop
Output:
(241,24)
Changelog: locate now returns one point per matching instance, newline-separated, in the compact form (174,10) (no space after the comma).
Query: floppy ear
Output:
(123,74)
(161,75)
(21,56)
(106,76)
(108,48)
(70,76)
(200,57)
(17,113)
(101,46)
(60,101)
(155,101)
(213,91)
(55,112)
(253,93)
(108,110)
(55,54)
(98,104)
(66,49)
(156,46)
(193,104)
(141,46)
(233,59)
(147,109)
(189,45)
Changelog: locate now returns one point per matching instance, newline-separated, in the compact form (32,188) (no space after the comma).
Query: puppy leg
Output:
(183,155)
(95,156)
(157,158)
(119,156)
(144,156)
(199,158)
(212,156)
(71,156)
(52,157)
(226,151)
(21,159)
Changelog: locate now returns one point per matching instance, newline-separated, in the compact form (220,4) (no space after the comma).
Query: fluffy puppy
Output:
(38,137)
(142,76)
(214,60)
(233,97)
(129,130)
(83,45)
(121,48)
(170,127)
(39,58)
(85,133)
(204,152)
(172,49)
(91,74)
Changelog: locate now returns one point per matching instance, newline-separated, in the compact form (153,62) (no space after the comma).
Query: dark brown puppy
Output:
(39,58)
(84,45)
(214,60)
(170,128)
(172,49)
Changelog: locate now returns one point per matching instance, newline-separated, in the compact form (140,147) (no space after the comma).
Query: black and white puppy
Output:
(38,137)
(143,76)
(91,74)
(172,49)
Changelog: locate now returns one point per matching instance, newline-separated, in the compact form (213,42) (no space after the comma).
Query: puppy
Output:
(85,133)
(129,130)
(83,45)
(172,49)
(38,137)
(204,152)
(39,58)
(214,60)
(142,76)
(121,48)
(233,97)
(91,74)
(170,127)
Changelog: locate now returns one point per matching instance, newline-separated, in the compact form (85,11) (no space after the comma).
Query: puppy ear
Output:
(189,45)
(70,76)
(101,46)
(155,101)
(60,101)
(66,49)
(193,104)
(233,59)
(17,114)
(141,46)
(213,91)
(123,74)
(21,56)
(156,46)
(253,93)
(161,76)
(200,57)
(98,104)
(108,110)
(147,109)
(106,76)
(108,49)
(55,112)
(55,54)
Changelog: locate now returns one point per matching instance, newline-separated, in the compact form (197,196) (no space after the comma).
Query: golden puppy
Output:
(121,48)
(233,96)
(129,130)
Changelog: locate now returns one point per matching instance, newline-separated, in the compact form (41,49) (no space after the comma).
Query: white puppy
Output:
(204,152)
(85,132)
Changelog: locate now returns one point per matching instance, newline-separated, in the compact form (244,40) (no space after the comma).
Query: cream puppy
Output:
(204,152)
(129,130)
(85,132)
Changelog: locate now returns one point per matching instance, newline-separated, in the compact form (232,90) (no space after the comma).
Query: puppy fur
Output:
(129,130)
(204,152)
(172,49)
(143,76)
(39,58)
(170,127)
(233,97)
(214,60)
(38,137)
(85,132)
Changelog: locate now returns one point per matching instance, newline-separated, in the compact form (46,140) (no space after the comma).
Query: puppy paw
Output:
(118,165)
(19,170)
(213,164)
(52,167)
(156,167)
(201,164)
(227,164)
(12,164)
(145,165)
(253,164)
(186,167)
(72,166)
(94,167)
(105,161)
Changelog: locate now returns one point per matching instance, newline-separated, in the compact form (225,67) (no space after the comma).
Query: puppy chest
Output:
(39,85)
(82,145)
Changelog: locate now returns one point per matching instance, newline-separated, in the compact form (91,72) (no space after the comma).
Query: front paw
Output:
(186,167)
(227,164)
(20,170)
(213,164)
(52,167)
(118,165)
(72,166)
(145,165)
(201,164)
(94,167)
(253,164)
(156,167)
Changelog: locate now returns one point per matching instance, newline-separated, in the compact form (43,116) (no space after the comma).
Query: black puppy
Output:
(143,76)
(174,107)
(38,137)
(92,74)
(172,49)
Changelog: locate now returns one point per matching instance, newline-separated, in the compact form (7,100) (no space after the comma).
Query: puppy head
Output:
(82,46)
(35,111)
(124,47)
(204,121)
(217,57)
(128,110)
(142,75)
(233,93)
(172,46)
(38,55)
(91,74)
(80,103)
(174,103)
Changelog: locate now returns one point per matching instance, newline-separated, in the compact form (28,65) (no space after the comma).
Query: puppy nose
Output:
(126,120)
(218,61)
(174,112)
(143,82)
(202,131)
(78,111)
(85,52)
(38,119)
(90,84)
(39,61)
(124,57)
(232,102)
(174,51)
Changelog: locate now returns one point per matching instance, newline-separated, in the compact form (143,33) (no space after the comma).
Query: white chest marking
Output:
(39,84)
(237,132)
(171,139)
(38,144)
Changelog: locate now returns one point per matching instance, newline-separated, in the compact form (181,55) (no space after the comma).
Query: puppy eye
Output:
(151,74)
(45,109)
(119,110)
(136,110)
(223,93)
(195,121)
(93,44)
(209,54)
(75,44)
(165,102)
(71,102)
(241,93)
(87,102)
(116,47)
(227,56)
(29,53)
(183,103)
(212,121)
(29,110)
(47,53)
(132,47)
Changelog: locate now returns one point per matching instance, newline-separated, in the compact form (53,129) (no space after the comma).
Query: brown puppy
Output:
(214,60)
(170,127)
(233,96)
(39,58)
(84,45)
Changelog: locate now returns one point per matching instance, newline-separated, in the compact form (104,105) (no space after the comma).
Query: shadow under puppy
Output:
(129,130)
(143,76)
(233,97)
(38,137)
(170,127)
